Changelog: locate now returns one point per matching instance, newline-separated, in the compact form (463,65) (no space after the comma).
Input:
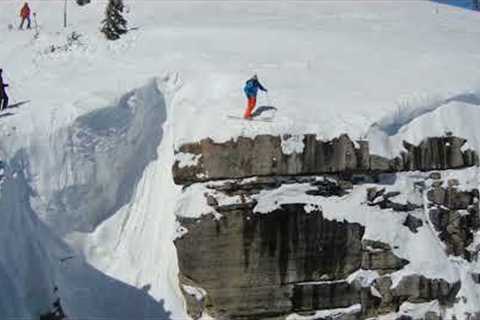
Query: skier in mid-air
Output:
(3,93)
(251,88)
(25,15)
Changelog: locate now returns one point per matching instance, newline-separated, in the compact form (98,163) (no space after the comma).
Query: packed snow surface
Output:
(87,151)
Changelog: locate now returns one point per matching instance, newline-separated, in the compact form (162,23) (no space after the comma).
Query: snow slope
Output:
(92,147)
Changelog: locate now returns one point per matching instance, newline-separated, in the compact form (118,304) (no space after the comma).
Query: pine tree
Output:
(114,24)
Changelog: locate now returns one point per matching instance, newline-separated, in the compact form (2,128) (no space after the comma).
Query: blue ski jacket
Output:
(251,88)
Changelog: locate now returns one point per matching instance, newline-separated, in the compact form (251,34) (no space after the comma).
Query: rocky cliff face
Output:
(267,155)
(454,214)
(293,240)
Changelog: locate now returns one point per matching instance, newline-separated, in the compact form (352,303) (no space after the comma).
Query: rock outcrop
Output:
(268,263)
(264,255)
(247,265)
(384,200)
(267,155)
(378,256)
(414,289)
(438,153)
(240,263)
(455,215)
(413,223)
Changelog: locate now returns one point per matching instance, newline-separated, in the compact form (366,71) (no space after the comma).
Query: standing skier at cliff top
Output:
(25,15)
(3,93)
(251,88)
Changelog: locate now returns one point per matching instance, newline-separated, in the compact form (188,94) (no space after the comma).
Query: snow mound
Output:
(455,116)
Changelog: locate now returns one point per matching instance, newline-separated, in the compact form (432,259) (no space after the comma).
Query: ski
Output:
(252,119)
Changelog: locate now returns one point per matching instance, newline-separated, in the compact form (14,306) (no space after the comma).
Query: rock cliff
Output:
(305,234)
(267,155)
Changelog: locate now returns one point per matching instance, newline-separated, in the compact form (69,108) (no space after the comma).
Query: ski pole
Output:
(36,24)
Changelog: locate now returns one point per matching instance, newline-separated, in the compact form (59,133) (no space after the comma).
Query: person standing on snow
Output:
(25,15)
(3,93)
(251,88)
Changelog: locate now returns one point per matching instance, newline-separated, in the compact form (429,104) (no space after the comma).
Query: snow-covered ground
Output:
(89,154)
(330,67)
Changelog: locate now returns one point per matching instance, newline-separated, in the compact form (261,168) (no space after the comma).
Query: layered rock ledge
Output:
(267,155)
(249,265)
(266,248)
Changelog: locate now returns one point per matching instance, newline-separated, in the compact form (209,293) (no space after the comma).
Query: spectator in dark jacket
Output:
(3,93)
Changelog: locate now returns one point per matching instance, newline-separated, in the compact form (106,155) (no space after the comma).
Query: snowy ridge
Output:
(435,117)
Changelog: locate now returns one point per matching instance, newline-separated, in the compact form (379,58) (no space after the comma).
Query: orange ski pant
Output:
(252,101)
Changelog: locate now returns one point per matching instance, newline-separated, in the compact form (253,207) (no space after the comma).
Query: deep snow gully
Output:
(100,192)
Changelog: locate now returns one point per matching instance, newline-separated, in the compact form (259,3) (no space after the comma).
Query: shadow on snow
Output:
(262,109)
